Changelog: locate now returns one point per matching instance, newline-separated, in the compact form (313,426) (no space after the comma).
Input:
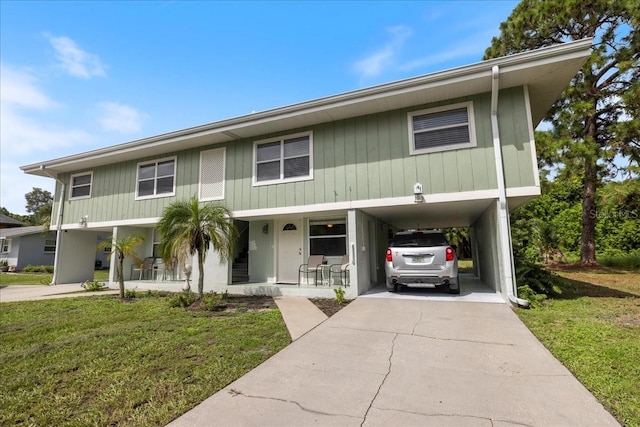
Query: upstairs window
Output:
(443,128)
(156,179)
(81,185)
(284,159)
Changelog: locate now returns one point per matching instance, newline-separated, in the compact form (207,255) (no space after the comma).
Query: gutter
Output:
(56,259)
(504,229)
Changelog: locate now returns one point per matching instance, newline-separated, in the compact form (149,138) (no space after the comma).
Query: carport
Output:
(370,229)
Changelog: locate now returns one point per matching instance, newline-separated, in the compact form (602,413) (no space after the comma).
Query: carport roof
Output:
(546,71)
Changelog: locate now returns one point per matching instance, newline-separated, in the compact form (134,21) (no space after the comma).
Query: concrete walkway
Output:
(299,314)
(38,292)
(397,362)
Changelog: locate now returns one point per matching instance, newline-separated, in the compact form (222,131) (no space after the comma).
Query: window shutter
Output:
(212,163)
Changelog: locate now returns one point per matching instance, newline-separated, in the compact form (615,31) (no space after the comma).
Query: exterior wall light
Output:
(417,193)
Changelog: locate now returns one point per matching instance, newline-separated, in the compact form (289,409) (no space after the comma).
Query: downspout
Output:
(503,214)
(56,258)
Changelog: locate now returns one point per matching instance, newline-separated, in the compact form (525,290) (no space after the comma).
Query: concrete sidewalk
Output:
(407,362)
(39,292)
(299,314)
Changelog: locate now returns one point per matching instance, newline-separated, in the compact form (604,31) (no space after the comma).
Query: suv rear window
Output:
(418,240)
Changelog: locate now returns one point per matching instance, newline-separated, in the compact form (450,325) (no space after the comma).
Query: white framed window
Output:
(156,178)
(157,238)
(449,127)
(81,185)
(284,159)
(328,237)
(212,165)
(5,246)
(49,245)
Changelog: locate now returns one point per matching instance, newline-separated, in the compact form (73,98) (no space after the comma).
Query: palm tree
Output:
(190,228)
(122,247)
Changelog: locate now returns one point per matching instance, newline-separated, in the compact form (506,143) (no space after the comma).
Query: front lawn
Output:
(100,361)
(593,328)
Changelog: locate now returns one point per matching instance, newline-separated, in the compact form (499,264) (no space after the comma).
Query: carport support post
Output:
(352,226)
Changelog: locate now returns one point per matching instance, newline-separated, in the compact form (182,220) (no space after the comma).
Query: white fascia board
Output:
(363,204)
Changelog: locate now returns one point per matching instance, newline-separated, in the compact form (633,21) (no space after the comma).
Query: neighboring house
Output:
(22,246)
(8,222)
(333,176)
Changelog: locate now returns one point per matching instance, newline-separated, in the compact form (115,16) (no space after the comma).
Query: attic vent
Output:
(212,164)
(289,227)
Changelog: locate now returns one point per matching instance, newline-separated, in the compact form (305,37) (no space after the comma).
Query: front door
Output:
(289,250)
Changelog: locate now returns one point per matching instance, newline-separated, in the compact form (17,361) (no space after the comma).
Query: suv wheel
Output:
(455,290)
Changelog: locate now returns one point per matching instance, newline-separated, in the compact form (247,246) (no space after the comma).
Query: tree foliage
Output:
(188,228)
(596,120)
(39,203)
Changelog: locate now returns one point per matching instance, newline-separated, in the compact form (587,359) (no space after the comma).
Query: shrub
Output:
(93,285)
(535,299)
(38,269)
(129,293)
(182,299)
(536,283)
(339,295)
(629,260)
(211,301)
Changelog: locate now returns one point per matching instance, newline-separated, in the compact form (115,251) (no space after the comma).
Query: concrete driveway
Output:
(405,362)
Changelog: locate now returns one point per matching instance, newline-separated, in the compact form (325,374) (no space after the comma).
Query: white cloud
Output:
(470,47)
(384,57)
(18,89)
(74,60)
(25,132)
(120,118)
(21,133)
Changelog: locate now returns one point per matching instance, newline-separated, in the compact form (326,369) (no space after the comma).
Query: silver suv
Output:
(421,259)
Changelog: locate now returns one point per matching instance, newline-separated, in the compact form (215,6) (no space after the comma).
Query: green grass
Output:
(25,278)
(40,278)
(100,361)
(593,328)
(629,261)
(465,266)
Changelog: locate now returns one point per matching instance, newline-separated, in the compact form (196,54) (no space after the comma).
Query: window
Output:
(81,185)
(156,179)
(6,245)
(328,238)
(442,128)
(49,245)
(285,159)
(212,174)
(157,238)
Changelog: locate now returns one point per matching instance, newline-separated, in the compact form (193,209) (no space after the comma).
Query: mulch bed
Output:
(328,306)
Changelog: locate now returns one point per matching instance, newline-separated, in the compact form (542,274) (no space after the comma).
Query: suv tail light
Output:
(450,254)
(389,258)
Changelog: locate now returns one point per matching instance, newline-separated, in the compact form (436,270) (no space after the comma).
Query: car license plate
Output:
(418,260)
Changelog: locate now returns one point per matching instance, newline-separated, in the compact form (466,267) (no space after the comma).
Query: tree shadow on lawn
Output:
(576,289)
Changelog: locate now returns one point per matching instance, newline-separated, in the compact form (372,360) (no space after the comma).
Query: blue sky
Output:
(77,76)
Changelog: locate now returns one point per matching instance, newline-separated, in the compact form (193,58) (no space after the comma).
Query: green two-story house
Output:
(334,176)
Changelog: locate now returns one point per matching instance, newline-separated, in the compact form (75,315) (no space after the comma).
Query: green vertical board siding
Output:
(360,158)
(514,137)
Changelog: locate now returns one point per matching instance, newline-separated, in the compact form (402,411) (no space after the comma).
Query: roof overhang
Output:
(546,71)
